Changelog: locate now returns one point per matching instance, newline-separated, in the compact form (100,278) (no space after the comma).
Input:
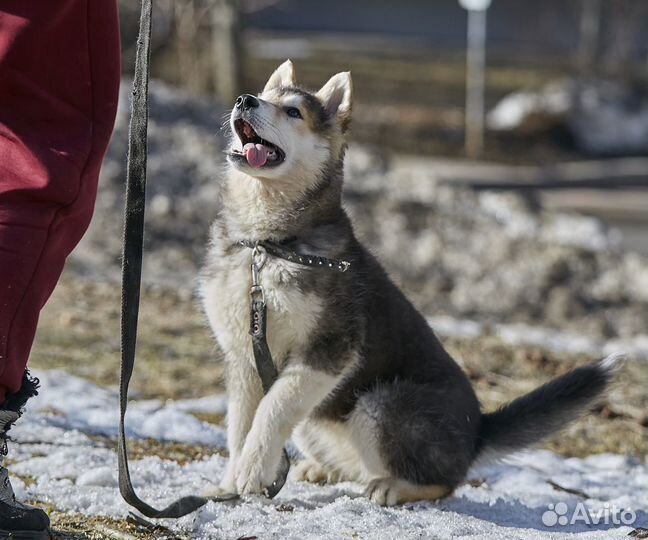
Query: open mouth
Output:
(257,152)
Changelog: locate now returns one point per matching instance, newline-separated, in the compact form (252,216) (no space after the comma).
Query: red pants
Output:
(59,82)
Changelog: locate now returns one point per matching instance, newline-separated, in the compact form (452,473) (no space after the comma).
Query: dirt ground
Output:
(67,526)
(177,358)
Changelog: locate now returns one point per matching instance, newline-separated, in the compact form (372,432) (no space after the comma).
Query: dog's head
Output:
(288,136)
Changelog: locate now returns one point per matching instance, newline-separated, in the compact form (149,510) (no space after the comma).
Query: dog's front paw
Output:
(227,484)
(253,473)
(219,491)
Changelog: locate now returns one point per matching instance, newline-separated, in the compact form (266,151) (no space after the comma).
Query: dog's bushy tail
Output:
(547,409)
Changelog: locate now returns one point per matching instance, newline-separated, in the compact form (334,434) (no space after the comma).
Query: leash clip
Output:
(259,257)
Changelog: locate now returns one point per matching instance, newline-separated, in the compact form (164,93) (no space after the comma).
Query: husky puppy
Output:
(365,388)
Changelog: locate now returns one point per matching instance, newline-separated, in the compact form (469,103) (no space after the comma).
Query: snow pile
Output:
(491,257)
(74,471)
(602,116)
(522,110)
(539,336)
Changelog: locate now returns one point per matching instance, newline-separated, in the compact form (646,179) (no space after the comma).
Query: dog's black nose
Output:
(246,101)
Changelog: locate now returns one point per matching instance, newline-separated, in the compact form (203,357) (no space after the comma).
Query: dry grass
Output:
(176,355)
(80,527)
(618,424)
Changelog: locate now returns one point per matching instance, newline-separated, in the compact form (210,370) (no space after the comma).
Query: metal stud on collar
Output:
(273,249)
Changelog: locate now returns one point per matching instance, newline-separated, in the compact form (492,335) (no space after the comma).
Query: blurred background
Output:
(408,61)
(527,249)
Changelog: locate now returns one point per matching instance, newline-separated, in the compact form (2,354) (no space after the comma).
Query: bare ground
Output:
(67,526)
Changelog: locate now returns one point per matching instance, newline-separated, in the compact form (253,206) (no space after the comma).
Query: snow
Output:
(550,339)
(56,445)
(80,405)
(512,111)
(603,116)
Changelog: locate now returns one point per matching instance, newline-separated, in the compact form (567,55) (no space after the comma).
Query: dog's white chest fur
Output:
(292,314)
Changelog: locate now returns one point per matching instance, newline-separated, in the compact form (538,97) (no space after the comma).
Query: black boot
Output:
(17,520)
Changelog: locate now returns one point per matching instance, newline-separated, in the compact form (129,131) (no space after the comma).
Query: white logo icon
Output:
(556,515)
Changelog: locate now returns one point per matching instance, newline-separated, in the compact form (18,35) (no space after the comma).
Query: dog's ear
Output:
(337,97)
(284,75)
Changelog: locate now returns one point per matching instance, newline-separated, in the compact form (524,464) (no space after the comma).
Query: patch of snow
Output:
(463,328)
(510,211)
(636,346)
(547,338)
(209,404)
(73,403)
(514,109)
(563,229)
(579,231)
(604,116)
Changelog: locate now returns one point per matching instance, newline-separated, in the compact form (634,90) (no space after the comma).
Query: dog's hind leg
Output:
(391,491)
(416,440)
(330,456)
(309,470)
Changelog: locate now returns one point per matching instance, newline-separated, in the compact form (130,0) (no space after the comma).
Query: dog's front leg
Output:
(292,397)
(244,394)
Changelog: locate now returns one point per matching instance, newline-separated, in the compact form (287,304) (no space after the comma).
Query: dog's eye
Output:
(293,112)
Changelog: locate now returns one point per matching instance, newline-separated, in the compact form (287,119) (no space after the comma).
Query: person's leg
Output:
(59,83)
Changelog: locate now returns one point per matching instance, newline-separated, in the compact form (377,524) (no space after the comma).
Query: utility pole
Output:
(475,75)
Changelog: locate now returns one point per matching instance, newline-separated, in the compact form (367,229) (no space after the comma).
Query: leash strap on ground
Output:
(132,270)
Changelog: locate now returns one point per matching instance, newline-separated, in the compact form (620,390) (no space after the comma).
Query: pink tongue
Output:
(256,154)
